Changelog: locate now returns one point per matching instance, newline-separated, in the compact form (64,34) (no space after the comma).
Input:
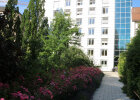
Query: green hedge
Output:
(129,68)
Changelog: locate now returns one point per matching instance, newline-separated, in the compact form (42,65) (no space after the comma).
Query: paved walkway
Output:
(110,88)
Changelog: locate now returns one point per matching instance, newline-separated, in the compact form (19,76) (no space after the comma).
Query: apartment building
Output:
(102,23)
(2,9)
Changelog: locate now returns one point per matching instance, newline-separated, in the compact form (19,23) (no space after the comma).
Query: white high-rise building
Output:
(97,22)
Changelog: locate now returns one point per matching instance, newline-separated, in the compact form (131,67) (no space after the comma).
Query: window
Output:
(91,2)
(79,21)
(104,41)
(105,20)
(103,63)
(91,20)
(79,11)
(90,52)
(104,31)
(91,10)
(91,31)
(79,2)
(56,4)
(80,30)
(105,1)
(67,11)
(105,10)
(90,41)
(67,2)
(55,11)
(103,52)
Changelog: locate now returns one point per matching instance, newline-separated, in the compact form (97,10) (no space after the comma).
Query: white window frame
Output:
(55,11)
(67,11)
(79,11)
(91,20)
(79,21)
(104,52)
(91,10)
(105,1)
(104,41)
(90,41)
(90,52)
(91,31)
(91,2)
(104,31)
(79,2)
(105,10)
(104,20)
(80,30)
(68,2)
(103,63)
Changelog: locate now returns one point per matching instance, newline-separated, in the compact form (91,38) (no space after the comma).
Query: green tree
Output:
(121,64)
(62,33)
(34,30)
(131,76)
(74,57)
(10,45)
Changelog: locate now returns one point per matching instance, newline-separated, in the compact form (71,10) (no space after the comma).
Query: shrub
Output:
(63,85)
(130,68)
(73,57)
(121,64)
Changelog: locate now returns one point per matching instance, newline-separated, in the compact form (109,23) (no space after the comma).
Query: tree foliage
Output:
(62,33)
(73,57)
(34,28)
(121,64)
(131,68)
(10,42)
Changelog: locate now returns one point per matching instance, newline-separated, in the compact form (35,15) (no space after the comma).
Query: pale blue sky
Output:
(135,3)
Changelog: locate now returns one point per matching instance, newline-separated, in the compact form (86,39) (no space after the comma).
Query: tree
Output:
(34,31)
(74,57)
(10,44)
(121,64)
(131,72)
(62,33)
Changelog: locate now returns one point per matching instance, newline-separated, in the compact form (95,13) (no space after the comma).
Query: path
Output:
(110,88)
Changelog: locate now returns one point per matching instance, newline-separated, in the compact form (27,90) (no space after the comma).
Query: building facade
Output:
(136,18)
(123,26)
(2,9)
(101,23)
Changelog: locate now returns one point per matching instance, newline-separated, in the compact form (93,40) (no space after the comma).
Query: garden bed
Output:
(76,84)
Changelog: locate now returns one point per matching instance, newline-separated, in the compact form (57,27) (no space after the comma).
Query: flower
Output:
(74,87)
(1,84)
(6,85)
(40,80)
(62,77)
(2,99)
(21,95)
(32,97)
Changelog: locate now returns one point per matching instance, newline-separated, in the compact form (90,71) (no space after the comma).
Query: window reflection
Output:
(122,26)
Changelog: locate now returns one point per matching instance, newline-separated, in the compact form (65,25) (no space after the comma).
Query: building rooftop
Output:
(136,14)
(2,9)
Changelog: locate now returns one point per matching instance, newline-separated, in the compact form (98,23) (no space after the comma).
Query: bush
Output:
(129,68)
(63,85)
(73,57)
(121,64)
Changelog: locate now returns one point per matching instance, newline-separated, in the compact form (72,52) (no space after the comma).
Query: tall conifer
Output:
(32,27)
(10,37)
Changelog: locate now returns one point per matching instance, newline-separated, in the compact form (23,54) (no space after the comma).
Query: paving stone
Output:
(110,88)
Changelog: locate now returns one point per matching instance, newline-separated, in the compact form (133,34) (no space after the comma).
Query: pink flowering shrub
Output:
(77,79)
(63,84)
(4,89)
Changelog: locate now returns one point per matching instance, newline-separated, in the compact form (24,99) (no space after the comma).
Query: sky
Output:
(135,3)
